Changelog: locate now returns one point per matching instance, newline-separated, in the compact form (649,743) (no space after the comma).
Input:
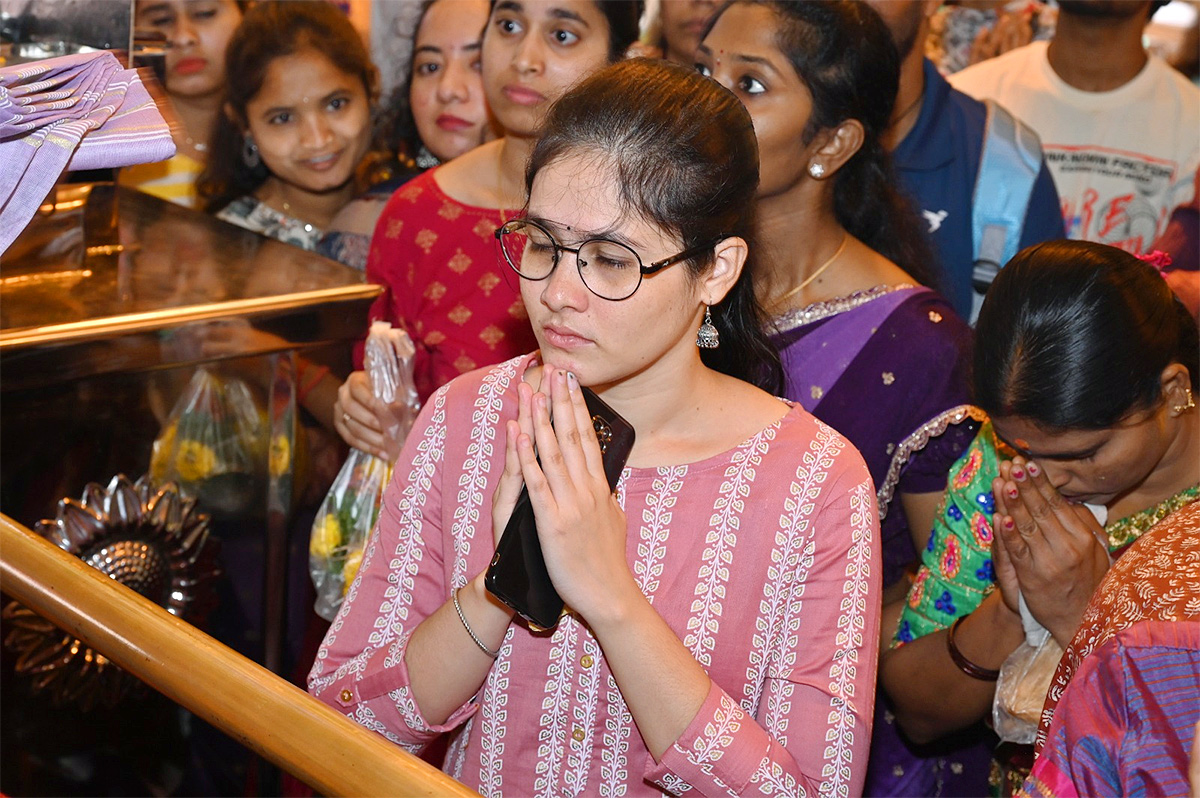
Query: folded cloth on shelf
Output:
(81,111)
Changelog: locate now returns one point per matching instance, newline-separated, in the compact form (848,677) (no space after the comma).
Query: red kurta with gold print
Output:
(446,284)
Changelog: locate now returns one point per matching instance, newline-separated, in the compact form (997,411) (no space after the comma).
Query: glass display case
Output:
(117,309)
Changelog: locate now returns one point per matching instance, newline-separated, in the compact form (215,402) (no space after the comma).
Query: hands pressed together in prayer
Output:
(580,523)
(1045,548)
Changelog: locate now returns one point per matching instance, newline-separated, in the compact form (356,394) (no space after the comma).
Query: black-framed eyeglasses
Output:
(610,270)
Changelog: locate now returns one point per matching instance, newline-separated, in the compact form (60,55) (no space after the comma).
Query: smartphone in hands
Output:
(517,574)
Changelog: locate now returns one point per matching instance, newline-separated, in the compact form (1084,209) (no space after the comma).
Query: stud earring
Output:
(707,336)
(1186,406)
(250,152)
(817,170)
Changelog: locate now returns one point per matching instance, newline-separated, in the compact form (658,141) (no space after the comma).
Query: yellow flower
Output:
(160,454)
(195,461)
(281,455)
(353,560)
(326,536)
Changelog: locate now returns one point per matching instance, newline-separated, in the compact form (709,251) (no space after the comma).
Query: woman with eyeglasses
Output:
(721,617)
(433,249)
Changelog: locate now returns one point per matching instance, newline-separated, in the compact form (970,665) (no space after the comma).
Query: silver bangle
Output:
(467,626)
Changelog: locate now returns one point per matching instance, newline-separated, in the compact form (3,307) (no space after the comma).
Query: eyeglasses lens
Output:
(609,269)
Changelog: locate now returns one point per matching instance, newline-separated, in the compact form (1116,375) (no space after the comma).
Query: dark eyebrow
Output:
(742,58)
(562,13)
(510,5)
(610,234)
(427,48)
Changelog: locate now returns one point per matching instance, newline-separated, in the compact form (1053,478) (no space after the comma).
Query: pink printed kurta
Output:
(763,560)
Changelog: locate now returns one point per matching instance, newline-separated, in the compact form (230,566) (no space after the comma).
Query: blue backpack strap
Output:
(1008,168)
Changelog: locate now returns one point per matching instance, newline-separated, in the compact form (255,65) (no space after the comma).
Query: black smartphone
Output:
(517,574)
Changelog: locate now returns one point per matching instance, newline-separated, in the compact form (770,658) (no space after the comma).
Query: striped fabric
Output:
(1125,722)
(80,111)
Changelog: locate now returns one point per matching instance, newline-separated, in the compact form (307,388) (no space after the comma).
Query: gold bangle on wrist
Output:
(965,665)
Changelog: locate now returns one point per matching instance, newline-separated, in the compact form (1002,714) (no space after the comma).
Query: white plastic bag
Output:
(1026,675)
(348,514)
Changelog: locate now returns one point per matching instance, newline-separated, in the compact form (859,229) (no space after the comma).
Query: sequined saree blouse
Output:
(763,560)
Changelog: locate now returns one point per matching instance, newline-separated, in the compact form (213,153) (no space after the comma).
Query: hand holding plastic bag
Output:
(348,514)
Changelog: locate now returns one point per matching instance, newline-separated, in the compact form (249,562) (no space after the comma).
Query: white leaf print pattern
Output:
(721,539)
(836,773)
(656,526)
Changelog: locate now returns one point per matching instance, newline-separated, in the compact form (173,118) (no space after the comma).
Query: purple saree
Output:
(887,368)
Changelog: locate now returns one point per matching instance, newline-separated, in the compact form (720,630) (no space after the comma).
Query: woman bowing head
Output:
(686,658)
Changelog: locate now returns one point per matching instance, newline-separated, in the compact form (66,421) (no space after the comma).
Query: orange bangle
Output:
(317,374)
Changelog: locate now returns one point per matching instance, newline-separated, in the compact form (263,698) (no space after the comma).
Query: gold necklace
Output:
(804,284)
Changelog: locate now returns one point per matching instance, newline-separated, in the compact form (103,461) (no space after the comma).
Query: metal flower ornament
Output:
(150,539)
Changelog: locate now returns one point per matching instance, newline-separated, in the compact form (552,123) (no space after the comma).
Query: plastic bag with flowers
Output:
(214,444)
(351,508)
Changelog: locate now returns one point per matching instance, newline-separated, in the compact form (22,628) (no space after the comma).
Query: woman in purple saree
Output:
(865,347)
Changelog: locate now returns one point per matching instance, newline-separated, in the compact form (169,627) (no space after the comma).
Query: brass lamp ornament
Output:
(150,539)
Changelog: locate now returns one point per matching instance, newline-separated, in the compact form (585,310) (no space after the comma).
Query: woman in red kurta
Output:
(432,249)
(722,602)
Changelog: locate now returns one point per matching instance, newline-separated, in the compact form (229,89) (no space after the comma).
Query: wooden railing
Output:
(268,715)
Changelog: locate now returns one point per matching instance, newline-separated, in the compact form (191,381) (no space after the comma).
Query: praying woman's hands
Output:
(1047,547)
(580,523)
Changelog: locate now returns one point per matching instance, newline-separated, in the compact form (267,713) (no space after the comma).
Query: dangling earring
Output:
(250,152)
(1188,405)
(707,337)
(817,170)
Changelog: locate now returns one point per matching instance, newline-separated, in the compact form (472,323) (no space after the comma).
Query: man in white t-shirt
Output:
(1119,127)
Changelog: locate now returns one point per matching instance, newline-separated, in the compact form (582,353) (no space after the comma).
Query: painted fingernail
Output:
(1033,469)
(1008,523)
(572,381)
(1018,474)
(1012,493)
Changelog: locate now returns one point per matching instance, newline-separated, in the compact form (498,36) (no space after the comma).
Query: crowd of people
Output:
(916,475)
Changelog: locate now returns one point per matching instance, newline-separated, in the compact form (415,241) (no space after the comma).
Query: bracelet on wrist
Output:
(467,626)
(965,665)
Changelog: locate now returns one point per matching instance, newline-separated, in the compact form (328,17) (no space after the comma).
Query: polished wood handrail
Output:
(265,713)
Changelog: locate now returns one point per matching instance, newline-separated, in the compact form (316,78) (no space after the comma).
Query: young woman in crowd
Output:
(438,114)
(722,628)
(1087,366)
(674,29)
(286,153)
(197,33)
(865,347)
(433,249)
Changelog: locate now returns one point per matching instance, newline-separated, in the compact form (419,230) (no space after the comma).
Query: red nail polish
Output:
(1018,474)
(1012,493)
(1033,469)
(1008,523)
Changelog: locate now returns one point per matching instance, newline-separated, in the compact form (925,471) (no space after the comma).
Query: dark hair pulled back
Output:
(844,53)
(686,160)
(272,29)
(1075,335)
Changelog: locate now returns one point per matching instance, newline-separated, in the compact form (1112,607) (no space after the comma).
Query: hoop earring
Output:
(1188,405)
(250,155)
(817,170)
(707,336)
